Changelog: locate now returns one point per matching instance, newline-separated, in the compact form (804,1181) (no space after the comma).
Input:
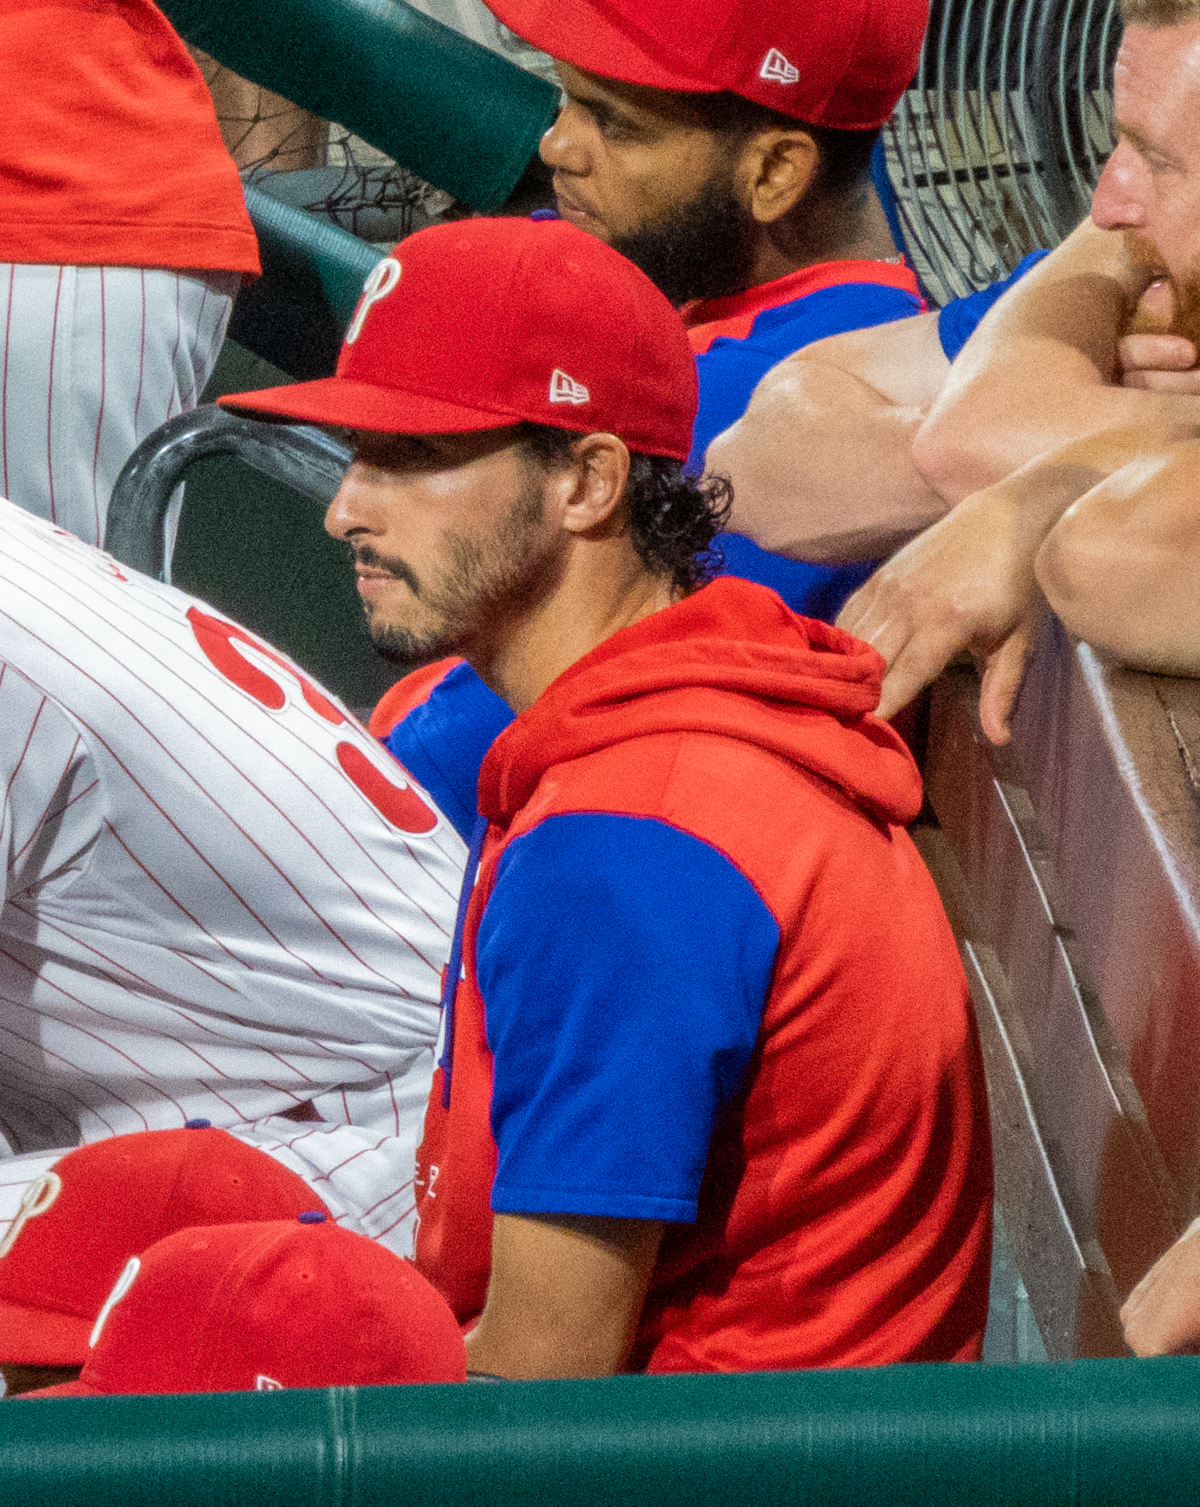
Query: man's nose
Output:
(1119,201)
(349,513)
(563,146)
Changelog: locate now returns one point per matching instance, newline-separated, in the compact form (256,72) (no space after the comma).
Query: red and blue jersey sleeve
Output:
(732,365)
(624,967)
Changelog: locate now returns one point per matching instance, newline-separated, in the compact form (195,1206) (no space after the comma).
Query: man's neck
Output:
(604,588)
(830,233)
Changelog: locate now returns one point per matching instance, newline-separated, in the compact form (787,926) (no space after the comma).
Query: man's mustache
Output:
(368,555)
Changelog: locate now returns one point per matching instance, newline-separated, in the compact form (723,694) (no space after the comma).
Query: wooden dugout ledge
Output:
(1069,863)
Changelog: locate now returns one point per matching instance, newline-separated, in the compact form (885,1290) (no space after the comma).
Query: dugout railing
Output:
(1092,1434)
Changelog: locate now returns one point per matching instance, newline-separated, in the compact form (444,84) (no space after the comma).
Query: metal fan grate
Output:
(997,146)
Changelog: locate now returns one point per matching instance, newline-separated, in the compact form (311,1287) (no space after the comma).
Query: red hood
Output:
(733,660)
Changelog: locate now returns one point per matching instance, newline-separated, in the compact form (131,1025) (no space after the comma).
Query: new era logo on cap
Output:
(777,68)
(564,389)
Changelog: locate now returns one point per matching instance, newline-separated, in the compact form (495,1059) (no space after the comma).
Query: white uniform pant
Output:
(92,359)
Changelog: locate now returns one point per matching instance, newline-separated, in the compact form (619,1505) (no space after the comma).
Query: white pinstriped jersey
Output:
(91,360)
(222,899)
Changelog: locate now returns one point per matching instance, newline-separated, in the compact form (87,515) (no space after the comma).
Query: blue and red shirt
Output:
(707,981)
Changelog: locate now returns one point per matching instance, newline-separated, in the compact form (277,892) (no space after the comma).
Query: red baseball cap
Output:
(840,63)
(265,1307)
(80,1222)
(484,323)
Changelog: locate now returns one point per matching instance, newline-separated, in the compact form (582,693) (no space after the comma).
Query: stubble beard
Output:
(702,249)
(485,582)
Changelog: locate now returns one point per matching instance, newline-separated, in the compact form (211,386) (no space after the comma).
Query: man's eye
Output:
(615,130)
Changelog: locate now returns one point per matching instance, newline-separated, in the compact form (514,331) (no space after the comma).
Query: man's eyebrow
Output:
(605,111)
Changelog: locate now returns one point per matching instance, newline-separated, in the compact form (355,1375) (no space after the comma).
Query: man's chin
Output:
(408,650)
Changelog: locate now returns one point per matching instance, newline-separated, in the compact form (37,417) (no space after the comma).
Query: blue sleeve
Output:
(730,370)
(959,319)
(624,967)
(443,742)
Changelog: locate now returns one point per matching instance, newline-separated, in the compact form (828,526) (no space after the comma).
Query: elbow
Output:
(1097,592)
(947,452)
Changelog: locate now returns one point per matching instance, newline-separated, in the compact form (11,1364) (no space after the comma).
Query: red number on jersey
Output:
(398,804)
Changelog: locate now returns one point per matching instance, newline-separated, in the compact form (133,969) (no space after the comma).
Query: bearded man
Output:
(711,1096)
(725,149)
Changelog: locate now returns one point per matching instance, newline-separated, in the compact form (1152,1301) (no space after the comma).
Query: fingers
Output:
(1155,353)
(1002,680)
(1156,308)
(1156,381)
(921,661)
(915,654)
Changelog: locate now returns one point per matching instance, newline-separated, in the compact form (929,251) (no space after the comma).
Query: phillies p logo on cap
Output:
(38,1196)
(380,282)
(120,1287)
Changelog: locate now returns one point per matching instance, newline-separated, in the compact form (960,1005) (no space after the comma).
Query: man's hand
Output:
(565,1295)
(1162,1313)
(968,584)
(965,585)
(1151,357)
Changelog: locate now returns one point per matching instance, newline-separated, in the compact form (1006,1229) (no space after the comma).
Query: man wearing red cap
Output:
(726,149)
(710,1094)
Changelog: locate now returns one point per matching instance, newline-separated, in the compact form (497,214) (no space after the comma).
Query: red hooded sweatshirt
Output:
(111,154)
(843,1214)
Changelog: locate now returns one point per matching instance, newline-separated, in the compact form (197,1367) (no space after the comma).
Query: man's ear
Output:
(774,172)
(594,484)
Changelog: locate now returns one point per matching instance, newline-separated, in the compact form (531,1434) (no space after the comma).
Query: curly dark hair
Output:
(673,517)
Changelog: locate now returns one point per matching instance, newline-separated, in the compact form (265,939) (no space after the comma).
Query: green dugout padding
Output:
(1088,1433)
(295,315)
(454,113)
(297,247)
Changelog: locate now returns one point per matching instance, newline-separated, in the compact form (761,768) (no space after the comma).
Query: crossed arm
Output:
(821,461)
(1035,380)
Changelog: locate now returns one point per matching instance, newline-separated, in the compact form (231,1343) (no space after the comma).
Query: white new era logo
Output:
(777,68)
(564,389)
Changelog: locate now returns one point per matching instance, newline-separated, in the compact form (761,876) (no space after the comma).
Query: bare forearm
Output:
(822,469)
(1122,567)
(1039,371)
(969,584)
(565,1296)
(821,461)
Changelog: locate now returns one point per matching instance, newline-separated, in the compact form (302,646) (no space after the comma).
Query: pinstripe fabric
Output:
(93,359)
(203,914)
